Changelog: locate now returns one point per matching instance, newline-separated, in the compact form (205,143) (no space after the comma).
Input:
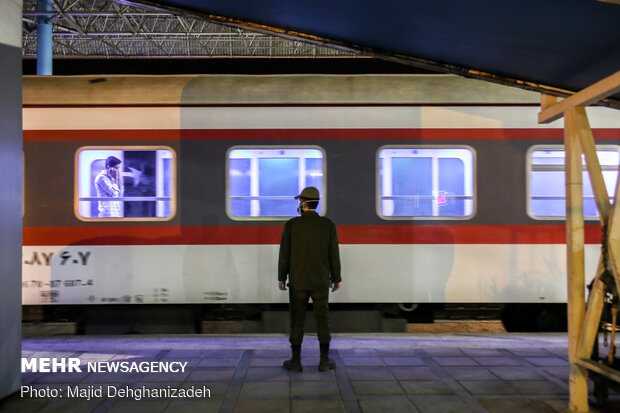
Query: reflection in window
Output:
(139,187)
(426,182)
(547,192)
(262,182)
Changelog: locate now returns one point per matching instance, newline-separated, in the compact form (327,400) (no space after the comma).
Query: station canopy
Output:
(556,47)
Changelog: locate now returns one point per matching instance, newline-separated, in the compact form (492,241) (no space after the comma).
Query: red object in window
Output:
(442,199)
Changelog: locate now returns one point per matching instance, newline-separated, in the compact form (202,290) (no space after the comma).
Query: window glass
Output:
(262,182)
(140,187)
(426,182)
(547,192)
(239,183)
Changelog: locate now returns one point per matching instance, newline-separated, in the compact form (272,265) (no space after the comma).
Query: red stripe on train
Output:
(302,134)
(270,234)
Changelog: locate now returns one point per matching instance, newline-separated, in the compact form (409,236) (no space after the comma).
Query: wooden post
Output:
(577,139)
(575,239)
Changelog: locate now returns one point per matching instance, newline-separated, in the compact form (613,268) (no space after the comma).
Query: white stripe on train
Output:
(248,273)
(298,117)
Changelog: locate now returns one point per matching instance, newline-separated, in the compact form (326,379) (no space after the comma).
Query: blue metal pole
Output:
(44,39)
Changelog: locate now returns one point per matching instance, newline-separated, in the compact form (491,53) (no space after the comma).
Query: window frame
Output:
(322,191)
(173,185)
(528,171)
(426,218)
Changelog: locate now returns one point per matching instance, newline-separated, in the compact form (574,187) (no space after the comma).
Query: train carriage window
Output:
(263,181)
(546,189)
(424,182)
(125,183)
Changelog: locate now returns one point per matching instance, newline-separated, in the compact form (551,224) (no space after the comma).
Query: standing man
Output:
(309,257)
(109,185)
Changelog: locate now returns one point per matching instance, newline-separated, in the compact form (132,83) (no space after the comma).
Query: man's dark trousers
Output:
(299,305)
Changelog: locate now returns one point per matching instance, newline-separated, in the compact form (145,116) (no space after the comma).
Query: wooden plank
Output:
(547,101)
(600,90)
(593,317)
(578,376)
(613,237)
(588,147)
(601,369)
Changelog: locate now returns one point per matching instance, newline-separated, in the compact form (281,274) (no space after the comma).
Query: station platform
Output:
(465,372)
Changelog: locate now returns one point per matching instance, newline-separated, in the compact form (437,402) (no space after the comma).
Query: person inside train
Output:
(309,257)
(109,185)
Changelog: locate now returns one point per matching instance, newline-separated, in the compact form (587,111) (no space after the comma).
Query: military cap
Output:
(309,193)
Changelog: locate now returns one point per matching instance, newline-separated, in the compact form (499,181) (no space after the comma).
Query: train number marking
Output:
(45,258)
(36,258)
(83,257)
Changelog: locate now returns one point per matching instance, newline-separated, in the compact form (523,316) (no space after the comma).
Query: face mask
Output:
(300,210)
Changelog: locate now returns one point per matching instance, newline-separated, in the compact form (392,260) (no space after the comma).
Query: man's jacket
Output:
(309,252)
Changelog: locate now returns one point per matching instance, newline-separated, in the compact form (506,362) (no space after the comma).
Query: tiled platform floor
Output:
(375,373)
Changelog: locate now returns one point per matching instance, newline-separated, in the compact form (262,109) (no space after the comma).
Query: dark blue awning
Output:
(551,46)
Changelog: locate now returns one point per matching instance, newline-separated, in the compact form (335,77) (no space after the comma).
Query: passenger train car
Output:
(443,189)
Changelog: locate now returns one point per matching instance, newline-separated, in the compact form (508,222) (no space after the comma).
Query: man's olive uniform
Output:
(309,256)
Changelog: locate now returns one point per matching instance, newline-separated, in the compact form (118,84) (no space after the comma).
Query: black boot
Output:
(294,364)
(326,363)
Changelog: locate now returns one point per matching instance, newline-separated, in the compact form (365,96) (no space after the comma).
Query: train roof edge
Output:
(390,89)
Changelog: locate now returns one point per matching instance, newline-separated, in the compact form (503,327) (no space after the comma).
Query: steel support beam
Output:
(83,28)
(44,40)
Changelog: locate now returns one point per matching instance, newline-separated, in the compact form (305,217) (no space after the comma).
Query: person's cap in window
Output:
(309,193)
